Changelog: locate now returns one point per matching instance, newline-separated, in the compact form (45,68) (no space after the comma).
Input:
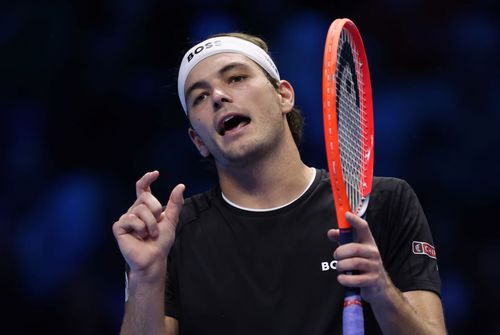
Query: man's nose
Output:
(219,97)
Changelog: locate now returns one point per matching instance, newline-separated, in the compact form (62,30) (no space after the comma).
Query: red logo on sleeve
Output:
(423,248)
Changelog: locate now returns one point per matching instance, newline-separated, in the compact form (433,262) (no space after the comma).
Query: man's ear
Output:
(193,135)
(287,96)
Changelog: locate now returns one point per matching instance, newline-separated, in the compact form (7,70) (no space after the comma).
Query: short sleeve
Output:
(403,236)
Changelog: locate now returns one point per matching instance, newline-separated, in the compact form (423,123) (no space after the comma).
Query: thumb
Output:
(174,204)
(333,235)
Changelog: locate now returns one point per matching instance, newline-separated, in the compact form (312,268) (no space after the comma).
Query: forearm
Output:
(144,309)
(396,314)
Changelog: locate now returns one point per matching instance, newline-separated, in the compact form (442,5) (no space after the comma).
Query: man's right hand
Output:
(146,233)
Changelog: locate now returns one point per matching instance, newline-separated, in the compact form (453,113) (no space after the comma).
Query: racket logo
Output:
(423,248)
(368,154)
(347,75)
(348,303)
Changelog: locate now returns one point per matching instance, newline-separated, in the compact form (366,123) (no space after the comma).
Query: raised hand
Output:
(146,232)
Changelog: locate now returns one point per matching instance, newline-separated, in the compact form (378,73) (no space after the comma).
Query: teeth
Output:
(228,118)
(230,122)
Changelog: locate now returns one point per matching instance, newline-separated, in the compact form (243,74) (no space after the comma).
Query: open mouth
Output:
(232,122)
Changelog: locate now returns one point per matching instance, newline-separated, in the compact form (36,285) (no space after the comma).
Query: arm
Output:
(144,309)
(145,235)
(415,312)
(171,325)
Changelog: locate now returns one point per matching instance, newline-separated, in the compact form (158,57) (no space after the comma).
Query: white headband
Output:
(217,45)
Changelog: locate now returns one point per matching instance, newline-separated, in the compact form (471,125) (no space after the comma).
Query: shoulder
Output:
(391,191)
(389,184)
(195,205)
(394,205)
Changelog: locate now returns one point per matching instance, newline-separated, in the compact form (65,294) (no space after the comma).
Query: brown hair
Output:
(294,117)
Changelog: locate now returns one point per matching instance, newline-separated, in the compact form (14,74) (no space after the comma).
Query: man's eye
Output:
(199,98)
(236,79)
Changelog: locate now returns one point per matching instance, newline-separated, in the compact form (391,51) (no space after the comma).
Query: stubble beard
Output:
(244,155)
(251,151)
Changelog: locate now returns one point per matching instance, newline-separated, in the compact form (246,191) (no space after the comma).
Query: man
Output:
(254,254)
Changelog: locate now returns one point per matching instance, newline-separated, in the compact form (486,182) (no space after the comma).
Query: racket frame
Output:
(353,320)
(330,120)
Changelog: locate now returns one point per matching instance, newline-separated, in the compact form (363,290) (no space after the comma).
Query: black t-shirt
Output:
(233,271)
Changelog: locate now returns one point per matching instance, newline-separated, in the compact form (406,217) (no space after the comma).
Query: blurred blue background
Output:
(88,103)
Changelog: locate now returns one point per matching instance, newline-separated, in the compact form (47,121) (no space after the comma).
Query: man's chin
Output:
(241,156)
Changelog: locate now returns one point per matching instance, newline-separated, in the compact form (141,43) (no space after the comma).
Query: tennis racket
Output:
(348,128)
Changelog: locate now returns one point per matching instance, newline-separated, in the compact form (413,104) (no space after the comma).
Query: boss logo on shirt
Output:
(325,266)
(423,248)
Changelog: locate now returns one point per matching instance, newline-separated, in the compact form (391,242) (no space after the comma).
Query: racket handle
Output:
(352,318)
(345,236)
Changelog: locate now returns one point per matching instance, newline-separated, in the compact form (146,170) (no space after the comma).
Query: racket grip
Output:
(352,318)
(345,235)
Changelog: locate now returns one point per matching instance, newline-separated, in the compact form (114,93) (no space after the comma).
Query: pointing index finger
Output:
(363,232)
(143,184)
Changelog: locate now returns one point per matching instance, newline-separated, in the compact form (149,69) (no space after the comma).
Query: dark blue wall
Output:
(88,104)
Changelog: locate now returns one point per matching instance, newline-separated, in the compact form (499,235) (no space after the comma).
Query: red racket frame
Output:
(330,120)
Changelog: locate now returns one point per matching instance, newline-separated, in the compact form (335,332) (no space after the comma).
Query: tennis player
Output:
(256,254)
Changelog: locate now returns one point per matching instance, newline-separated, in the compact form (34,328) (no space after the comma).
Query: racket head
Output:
(347,119)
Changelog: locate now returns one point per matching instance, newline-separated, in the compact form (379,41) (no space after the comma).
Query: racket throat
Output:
(364,206)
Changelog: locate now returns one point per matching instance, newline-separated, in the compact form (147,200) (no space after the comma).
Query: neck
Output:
(271,181)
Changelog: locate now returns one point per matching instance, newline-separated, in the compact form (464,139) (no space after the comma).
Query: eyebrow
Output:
(221,72)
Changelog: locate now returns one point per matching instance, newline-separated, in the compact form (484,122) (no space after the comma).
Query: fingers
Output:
(142,212)
(144,195)
(143,217)
(363,232)
(363,260)
(151,202)
(143,184)
(351,250)
(360,264)
(146,207)
(360,280)
(130,224)
(333,235)
(361,226)
(363,255)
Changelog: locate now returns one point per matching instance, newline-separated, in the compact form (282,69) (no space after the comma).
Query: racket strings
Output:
(351,120)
